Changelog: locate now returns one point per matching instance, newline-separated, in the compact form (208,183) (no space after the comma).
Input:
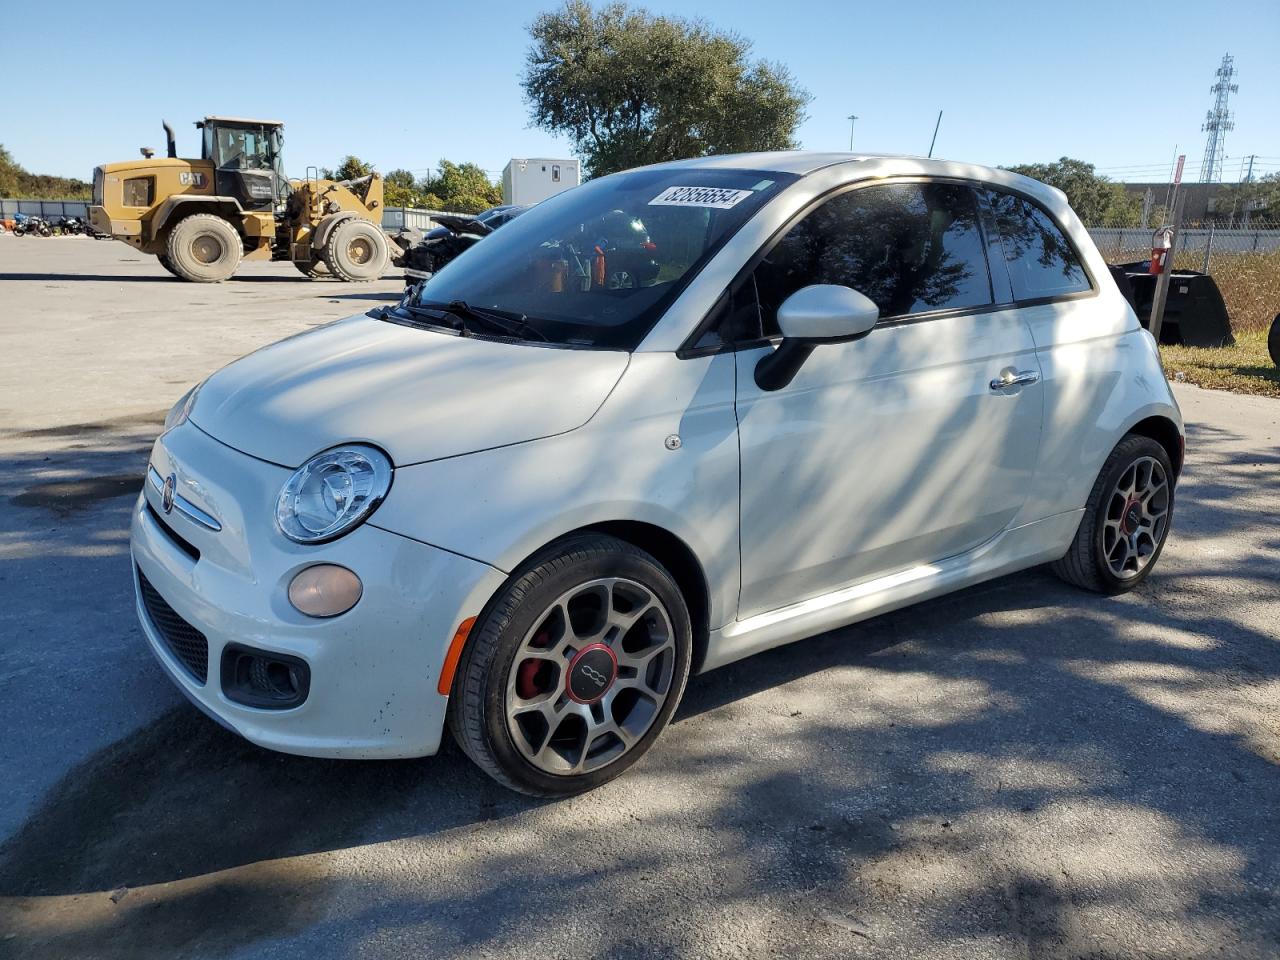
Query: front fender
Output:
(177,207)
(502,505)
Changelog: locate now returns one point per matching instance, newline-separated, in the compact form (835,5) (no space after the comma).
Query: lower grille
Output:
(184,641)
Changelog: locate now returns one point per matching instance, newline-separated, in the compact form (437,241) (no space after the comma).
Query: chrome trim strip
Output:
(182,504)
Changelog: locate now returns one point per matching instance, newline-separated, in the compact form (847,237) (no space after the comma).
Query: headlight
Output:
(333,492)
(182,409)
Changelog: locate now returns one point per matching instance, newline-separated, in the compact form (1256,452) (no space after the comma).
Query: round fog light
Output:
(325,590)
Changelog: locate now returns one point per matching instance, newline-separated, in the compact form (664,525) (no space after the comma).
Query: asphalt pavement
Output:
(1018,770)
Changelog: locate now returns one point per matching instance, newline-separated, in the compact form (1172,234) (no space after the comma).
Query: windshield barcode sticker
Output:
(720,197)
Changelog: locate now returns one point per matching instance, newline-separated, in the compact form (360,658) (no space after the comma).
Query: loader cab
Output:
(247,159)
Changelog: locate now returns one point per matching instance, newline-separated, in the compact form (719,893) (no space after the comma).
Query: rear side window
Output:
(910,247)
(1042,263)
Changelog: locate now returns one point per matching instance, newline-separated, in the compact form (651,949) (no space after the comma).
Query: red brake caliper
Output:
(527,673)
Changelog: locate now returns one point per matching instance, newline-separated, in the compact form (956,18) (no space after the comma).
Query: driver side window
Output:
(911,247)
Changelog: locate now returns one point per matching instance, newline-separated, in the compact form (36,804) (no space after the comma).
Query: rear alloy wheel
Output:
(356,250)
(1126,520)
(575,670)
(204,248)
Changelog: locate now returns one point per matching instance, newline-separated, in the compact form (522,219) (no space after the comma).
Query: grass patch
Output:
(1244,368)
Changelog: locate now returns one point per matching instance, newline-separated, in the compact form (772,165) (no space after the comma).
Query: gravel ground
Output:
(1019,770)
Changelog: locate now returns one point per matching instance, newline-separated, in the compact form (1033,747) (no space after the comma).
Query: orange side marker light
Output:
(453,655)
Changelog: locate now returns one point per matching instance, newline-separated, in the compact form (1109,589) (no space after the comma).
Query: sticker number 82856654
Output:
(720,197)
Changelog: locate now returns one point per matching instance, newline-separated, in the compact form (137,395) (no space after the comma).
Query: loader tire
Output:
(204,248)
(165,262)
(315,268)
(356,251)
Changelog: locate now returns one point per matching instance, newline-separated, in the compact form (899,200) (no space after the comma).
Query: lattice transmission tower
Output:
(1218,121)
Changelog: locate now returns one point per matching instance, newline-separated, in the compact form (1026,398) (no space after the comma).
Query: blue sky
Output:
(404,84)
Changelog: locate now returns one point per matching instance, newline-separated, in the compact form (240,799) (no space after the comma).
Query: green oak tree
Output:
(629,87)
(1098,201)
(459,188)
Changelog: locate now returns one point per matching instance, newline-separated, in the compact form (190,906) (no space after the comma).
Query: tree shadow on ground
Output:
(1016,769)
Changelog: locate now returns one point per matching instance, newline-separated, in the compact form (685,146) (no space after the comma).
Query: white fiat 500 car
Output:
(661,422)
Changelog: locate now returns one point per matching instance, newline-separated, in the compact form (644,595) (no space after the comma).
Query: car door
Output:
(913,444)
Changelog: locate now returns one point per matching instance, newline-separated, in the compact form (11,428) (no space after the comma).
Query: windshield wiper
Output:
(407,310)
(511,326)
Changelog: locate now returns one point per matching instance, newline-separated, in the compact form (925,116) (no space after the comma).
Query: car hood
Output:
(418,394)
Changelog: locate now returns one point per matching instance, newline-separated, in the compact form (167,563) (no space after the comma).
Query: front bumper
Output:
(373,669)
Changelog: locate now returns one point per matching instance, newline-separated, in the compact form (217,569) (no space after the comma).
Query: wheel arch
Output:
(670,551)
(1166,433)
(176,209)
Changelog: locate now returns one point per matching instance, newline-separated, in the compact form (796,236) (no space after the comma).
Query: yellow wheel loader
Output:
(202,217)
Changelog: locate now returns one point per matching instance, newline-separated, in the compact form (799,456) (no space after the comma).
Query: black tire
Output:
(1086,563)
(204,248)
(478,705)
(315,268)
(356,251)
(164,262)
(1273,341)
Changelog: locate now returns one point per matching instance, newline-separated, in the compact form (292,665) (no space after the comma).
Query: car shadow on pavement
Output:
(1017,761)
(144,278)
(390,296)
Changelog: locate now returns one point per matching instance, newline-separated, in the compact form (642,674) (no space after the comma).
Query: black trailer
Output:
(1194,314)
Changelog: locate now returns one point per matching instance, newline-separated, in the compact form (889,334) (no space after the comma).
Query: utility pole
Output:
(852,118)
(1248,203)
(1168,193)
(935,133)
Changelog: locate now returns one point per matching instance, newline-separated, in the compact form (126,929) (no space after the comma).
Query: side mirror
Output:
(821,313)
(826,312)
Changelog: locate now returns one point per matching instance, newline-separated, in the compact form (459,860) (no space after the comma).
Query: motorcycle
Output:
(71,226)
(31,224)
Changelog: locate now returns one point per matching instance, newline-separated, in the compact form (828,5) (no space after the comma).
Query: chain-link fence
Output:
(1245,263)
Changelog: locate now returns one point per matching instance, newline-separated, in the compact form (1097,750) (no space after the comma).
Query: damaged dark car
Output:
(453,234)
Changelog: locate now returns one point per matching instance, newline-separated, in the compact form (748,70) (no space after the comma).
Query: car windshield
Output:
(492,214)
(597,265)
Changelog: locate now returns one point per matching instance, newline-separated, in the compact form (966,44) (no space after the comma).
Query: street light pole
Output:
(852,118)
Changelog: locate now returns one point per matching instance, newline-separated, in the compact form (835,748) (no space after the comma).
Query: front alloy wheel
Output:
(574,669)
(591,676)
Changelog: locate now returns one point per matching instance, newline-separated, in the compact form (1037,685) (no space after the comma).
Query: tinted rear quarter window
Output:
(911,247)
(1042,263)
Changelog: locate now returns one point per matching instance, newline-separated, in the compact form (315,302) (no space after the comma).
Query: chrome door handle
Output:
(1020,379)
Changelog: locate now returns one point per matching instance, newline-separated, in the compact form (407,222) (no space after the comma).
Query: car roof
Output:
(805,162)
